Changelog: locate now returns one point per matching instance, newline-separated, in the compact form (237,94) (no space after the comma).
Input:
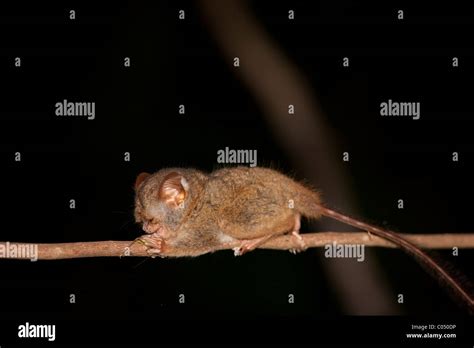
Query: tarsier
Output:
(196,213)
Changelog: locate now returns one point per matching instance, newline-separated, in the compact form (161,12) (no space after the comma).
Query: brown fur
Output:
(241,203)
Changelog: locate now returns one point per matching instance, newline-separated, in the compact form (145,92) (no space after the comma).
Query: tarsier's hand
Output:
(154,243)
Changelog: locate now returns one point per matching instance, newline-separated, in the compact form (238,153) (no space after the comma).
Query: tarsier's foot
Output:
(301,244)
(154,244)
(295,235)
(249,245)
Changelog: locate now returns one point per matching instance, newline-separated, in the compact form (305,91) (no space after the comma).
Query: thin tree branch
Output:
(56,251)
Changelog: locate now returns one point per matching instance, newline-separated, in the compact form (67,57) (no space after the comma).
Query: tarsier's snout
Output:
(154,228)
(146,227)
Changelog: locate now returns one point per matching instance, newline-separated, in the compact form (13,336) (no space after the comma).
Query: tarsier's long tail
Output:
(463,295)
(311,206)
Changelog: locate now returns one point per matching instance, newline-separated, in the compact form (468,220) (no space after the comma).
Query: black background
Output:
(174,63)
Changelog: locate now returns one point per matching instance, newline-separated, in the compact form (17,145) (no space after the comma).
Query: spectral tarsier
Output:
(197,213)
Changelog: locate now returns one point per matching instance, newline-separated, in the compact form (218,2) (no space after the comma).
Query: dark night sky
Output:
(174,63)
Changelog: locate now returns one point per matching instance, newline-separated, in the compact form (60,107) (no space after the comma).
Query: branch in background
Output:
(56,251)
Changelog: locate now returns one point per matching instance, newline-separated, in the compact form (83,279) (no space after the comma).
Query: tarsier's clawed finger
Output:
(249,245)
(154,244)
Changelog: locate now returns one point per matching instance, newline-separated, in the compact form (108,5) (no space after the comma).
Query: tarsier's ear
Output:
(174,189)
(140,178)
